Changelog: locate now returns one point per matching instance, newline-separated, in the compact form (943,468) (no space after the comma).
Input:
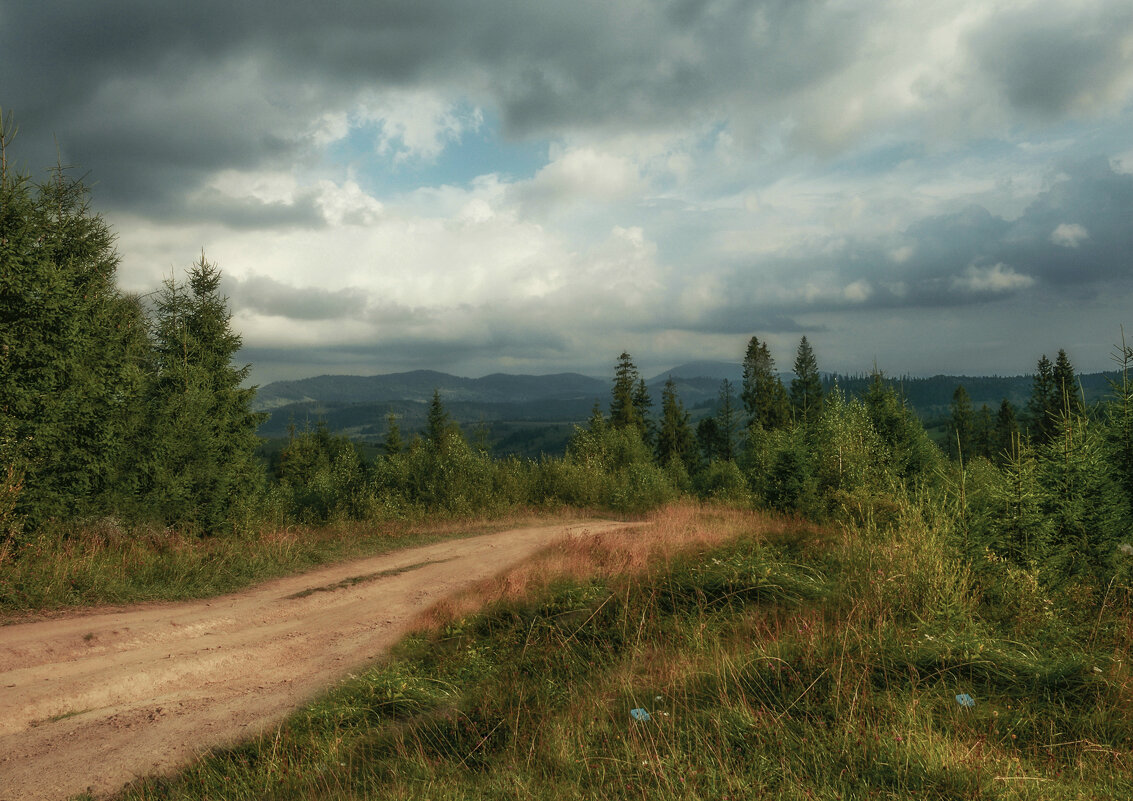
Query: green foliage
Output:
(628,404)
(71,349)
(727,423)
(1005,435)
(764,398)
(961,429)
(1043,406)
(1119,421)
(393,444)
(201,428)
(806,386)
(320,476)
(675,439)
(813,668)
(912,457)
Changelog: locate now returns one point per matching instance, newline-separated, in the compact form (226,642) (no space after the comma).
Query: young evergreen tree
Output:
(1068,398)
(1119,420)
(202,430)
(675,439)
(727,422)
(630,400)
(960,426)
(912,454)
(982,427)
(764,398)
(71,348)
(806,387)
(394,444)
(643,403)
(1042,408)
(1005,435)
(708,439)
(437,423)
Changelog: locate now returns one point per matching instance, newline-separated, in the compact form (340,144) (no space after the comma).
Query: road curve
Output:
(92,701)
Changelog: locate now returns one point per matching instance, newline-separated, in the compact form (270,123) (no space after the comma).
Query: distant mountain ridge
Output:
(533,414)
(418,385)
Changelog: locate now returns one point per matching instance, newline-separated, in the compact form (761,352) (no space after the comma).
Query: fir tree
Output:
(394,444)
(708,438)
(1068,398)
(960,425)
(643,403)
(806,387)
(202,430)
(437,423)
(630,402)
(764,398)
(72,349)
(727,422)
(1005,435)
(1042,408)
(675,439)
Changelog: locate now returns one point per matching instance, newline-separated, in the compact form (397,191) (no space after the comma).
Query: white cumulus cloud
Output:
(1069,235)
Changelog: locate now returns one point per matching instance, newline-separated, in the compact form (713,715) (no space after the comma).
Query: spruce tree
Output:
(643,403)
(437,423)
(708,438)
(727,422)
(202,430)
(764,398)
(960,428)
(394,444)
(1119,420)
(1068,399)
(629,396)
(982,427)
(1005,435)
(71,349)
(806,387)
(1042,408)
(675,439)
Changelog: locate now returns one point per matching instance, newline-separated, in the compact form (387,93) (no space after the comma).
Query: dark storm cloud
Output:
(1050,59)
(152,96)
(1074,239)
(265,295)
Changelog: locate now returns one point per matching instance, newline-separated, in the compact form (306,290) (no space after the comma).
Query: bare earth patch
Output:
(91,701)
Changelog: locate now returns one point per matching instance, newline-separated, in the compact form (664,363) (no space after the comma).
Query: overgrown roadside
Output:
(104,563)
(95,699)
(720,654)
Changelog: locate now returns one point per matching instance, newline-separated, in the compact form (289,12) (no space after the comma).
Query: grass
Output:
(775,660)
(104,563)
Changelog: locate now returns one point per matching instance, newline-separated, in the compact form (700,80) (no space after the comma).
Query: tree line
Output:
(133,408)
(111,403)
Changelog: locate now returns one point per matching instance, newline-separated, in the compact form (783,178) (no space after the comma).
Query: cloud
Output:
(266,296)
(579,175)
(994,279)
(1069,235)
(1049,58)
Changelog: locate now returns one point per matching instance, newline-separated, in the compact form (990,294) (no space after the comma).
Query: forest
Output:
(127,420)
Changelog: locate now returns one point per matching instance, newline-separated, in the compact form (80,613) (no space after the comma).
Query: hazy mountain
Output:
(533,414)
(419,385)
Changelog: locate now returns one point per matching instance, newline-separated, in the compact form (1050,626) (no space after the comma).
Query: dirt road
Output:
(95,700)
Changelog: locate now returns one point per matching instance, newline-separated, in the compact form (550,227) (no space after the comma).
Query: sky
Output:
(533,187)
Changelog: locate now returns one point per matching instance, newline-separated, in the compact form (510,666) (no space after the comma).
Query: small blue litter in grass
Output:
(639,714)
(963,699)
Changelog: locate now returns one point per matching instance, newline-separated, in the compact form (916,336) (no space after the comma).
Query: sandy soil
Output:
(92,701)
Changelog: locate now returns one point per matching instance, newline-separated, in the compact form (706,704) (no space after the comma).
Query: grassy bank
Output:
(773,659)
(105,563)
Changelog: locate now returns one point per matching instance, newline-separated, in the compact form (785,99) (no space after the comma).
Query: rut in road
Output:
(93,701)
